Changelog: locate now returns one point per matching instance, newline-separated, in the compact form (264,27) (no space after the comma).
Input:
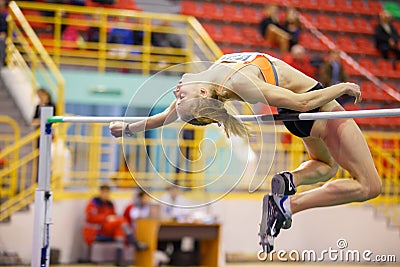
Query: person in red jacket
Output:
(298,59)
(103,224)
(139,208)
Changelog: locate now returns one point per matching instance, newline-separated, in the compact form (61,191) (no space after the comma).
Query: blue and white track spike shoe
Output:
(272,220)
(282,184)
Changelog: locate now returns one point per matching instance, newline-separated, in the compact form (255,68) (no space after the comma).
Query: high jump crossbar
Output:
(373,113)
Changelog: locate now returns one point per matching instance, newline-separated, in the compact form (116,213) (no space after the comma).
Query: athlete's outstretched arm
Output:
(281,97)
(168,116)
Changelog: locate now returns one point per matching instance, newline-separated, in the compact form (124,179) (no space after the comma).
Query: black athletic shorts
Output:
(300,128)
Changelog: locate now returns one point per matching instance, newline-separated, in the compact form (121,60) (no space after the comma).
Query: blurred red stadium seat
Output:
(251,15)
(361,25)
(351,106)
(309,41)
(346,44)
(227,49)
(231,35)
(91,3)
(210,10)
(252,36)
(126,4)
(325,22)
(344,24)
(190,8)
(396,24)
(375,7)
(368,64)
(342,6)
(309,16)
(385,68)
(371,106)
(365,45)
(213,31)
(350,70)
(308,4)
(231,13)
(371,92)
(324,5)
(359,7)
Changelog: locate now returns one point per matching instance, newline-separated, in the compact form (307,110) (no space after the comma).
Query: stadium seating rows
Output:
(347,23)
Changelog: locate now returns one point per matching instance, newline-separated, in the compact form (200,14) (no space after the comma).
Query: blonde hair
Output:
(205,111)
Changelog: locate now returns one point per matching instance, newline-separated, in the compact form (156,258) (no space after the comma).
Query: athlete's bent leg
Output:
(320,168)
(348,147)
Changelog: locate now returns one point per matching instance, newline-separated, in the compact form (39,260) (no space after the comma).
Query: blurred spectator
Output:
(173,207)
(44,101)
(3,32)
(125,36)
(292,25)
(93,33)
(386,36)
(298,59)
(73,38)
(121,36)
(272,31)
(102,224)
(174,204)
(139,208)
(332,72)
(160,37)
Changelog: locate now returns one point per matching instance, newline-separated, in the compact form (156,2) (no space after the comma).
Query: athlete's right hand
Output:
(353,89)
(117,128)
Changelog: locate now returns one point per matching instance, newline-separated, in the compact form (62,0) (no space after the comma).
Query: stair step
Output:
(9,108)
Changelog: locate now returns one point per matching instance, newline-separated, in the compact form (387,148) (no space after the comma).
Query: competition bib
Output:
(244,57)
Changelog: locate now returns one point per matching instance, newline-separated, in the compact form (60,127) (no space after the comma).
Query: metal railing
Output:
(94,47)
(18,175)
(85,156)
(9,135)
(26,53)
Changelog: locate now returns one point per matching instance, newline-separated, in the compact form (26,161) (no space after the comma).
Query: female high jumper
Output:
(261,78)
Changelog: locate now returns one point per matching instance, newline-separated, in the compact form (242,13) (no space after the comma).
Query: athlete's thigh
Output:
(347,145)
(317,149)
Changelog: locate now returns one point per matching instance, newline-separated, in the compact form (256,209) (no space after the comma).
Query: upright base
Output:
(43,195)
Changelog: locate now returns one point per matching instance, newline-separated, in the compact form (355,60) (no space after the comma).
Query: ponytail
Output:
(234,126)
(207,110)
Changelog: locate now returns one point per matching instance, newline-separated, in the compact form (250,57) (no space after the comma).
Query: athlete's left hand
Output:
(116,128)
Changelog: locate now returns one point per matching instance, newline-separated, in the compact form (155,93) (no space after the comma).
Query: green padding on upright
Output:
(393,8)
(55,119)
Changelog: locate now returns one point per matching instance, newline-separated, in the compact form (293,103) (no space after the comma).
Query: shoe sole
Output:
(266,242)
(278,188)
(278,185)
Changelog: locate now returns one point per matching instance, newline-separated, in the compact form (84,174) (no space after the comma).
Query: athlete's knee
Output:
(375,189)
(370,191)
(375,192)
(334,167)
(331,171)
